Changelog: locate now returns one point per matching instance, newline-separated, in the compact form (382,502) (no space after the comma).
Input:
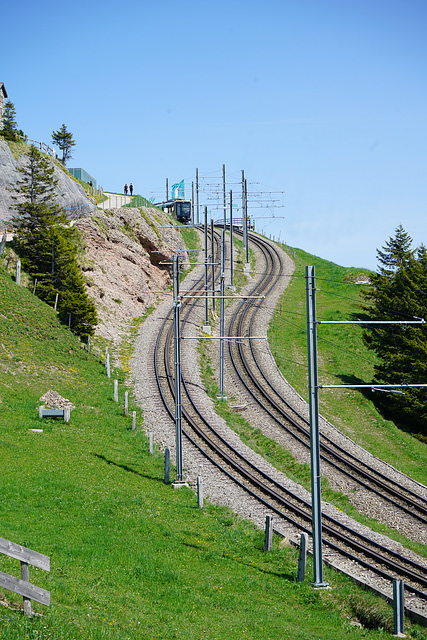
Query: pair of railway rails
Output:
(336,536)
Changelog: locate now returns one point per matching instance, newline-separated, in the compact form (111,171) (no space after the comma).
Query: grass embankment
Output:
(130,558)
(342,358)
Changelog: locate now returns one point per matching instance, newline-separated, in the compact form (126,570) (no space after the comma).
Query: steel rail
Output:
(338,459)
(223,455)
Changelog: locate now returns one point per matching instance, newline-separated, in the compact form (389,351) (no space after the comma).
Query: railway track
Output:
(251,374)
(337,536)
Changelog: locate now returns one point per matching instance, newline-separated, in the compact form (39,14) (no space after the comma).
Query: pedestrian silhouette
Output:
(131,188)
(125,189)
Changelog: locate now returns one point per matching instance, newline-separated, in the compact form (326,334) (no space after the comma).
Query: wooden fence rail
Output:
(23,586)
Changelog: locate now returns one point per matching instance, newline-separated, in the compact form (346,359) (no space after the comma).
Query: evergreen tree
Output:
(47,246)
(400,293)
(10,130)
(396,252)
(65,141)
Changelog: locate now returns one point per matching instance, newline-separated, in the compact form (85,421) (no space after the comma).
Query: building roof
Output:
(3,88)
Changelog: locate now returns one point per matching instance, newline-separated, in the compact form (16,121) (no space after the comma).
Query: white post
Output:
(133,420)
(126,403)
(151,442)
(302,558)
(18,272)
(200,492)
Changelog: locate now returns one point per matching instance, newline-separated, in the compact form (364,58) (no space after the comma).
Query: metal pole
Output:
(167,189)
(223,193)
(246,223)
(398,608)
(177,350)
(197,195)
(213,265)
(206,268)
(221,332)
(243,209)
(231,240)
(314,428)
(192,202)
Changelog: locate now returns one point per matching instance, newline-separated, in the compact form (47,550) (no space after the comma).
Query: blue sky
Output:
(324,100)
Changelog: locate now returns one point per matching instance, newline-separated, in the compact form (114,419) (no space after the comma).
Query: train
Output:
(179,209)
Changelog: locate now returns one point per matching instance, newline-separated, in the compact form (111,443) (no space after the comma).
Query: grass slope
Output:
(130,558)
(342,359)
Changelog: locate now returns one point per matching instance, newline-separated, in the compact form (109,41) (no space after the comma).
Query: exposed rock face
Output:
(69,194)
(125,249)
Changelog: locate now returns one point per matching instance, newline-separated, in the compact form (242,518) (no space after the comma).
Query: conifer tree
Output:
(10,131)
(65,141)
(47,246)
(400,293)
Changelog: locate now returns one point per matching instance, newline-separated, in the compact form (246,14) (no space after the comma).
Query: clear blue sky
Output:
(322,99)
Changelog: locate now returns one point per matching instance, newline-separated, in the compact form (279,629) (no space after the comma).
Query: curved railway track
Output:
(257,384)
(337,536)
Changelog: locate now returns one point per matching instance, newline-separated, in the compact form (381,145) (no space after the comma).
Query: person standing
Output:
(131,188)
(125,189)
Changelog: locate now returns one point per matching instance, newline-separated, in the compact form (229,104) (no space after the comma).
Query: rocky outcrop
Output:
(127,263)
(69,194)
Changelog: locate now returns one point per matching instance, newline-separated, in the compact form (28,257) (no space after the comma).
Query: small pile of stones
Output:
(53,400)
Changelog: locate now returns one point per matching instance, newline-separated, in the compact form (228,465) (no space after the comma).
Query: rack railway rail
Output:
(337,536)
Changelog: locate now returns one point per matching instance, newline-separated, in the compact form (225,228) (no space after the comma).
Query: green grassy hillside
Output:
(342,358)
(130,557)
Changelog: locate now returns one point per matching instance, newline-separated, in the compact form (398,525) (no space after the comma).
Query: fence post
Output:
(167,466)
(200,492)
(151,442)
(133,420)
(302,558)
(116,390)
(88,343)
(3,243)
(35,287)
(18,272)
(398,608)
(56,302)
(126,403)
(268,541)
(25,576)
(108,365)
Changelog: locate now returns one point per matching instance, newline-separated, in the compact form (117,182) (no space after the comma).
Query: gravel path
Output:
(220,489)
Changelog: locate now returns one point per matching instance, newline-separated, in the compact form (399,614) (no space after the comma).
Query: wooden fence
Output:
(23,586)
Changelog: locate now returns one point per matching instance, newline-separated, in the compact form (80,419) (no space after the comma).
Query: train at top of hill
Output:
(178,208)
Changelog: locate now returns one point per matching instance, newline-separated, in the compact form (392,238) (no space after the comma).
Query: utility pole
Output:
(224,197)
(197,195)
(192,202)
(232,287)
(246,225)
(313,387)
(221,319)
(206,327)
(167,189)
(243,208)
(177,356)
(213,264)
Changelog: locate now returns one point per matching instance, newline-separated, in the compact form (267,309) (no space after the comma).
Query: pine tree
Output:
(396,252)
(400,293)
(65,141)
(10,130)
(47,246)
